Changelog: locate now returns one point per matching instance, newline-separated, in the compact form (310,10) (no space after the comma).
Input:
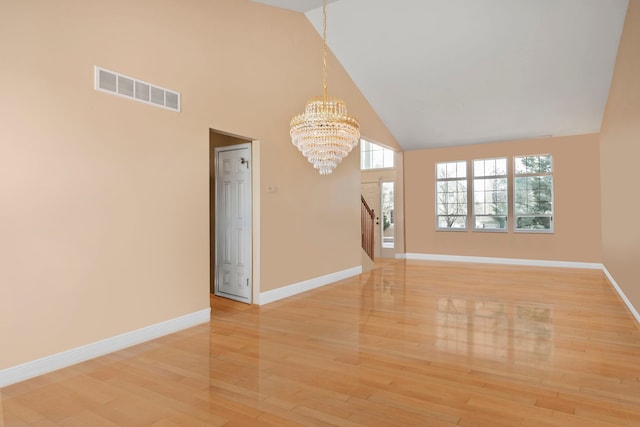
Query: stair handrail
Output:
(367,221)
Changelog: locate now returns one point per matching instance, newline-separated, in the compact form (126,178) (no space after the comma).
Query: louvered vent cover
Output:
(128,87)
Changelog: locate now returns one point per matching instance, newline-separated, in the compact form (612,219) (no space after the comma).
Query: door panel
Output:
(233,223)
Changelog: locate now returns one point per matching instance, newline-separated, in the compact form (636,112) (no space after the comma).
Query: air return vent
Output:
(128,87)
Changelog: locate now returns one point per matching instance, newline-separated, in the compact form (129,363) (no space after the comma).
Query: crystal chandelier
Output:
(325,133)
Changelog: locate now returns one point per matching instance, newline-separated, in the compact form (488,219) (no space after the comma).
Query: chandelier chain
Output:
(324,48)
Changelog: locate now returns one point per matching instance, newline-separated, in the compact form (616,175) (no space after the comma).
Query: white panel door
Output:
(233,223)
(371,193)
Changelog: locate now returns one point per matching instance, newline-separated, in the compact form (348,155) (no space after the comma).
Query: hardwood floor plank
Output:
(411,343)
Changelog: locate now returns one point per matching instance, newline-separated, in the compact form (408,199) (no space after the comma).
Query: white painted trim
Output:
(528,262)
(508,261)
(618,289)
(307,285)
(255,192)
(66,358)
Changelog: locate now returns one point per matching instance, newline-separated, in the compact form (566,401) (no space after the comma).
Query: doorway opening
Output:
(231,200)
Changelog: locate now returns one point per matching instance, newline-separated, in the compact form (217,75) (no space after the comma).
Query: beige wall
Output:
(104,201)
(577,203)
(619,156)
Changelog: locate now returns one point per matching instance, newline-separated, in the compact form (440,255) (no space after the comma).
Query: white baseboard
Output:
(307,285)
(618,289)
(61,360)
(507,261)
(528,262)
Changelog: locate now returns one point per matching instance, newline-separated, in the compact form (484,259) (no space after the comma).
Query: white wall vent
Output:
(128,87)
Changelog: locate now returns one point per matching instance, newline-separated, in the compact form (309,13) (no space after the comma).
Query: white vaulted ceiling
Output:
(454,72)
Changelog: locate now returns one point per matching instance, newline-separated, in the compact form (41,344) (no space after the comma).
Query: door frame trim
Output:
(255,217)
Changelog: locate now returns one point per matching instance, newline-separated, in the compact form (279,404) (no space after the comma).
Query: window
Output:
(533,193)
(388,226)
(374,156)
(451,195)
(490,206)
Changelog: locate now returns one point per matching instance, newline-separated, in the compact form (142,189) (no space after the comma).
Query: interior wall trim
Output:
(618,289)
(529,262)
(507,261)
(307,285)
(66,358)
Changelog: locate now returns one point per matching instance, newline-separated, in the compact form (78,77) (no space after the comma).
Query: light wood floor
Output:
(410,344)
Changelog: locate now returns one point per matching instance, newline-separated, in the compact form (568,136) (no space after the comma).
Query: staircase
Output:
(367,221)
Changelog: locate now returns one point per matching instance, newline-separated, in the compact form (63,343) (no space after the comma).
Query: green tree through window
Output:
(533,193)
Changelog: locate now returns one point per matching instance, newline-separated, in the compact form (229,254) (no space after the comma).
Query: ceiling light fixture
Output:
(325,133)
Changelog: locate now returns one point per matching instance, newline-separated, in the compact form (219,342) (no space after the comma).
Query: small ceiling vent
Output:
(128,87)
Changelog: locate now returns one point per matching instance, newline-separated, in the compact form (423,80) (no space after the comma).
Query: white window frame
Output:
(475,177)
(516,215)
(451,179)
(364,143)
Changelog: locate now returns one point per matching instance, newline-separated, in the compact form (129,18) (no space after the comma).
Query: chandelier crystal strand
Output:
(325,133)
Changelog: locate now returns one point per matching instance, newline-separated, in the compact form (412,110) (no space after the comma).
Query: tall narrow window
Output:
(490,206)
(388,216)
(533,193)
(374,156)
(451,195)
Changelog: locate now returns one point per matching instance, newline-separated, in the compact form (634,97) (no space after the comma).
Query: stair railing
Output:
(367,222)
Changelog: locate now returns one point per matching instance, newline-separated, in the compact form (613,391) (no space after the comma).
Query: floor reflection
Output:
(490,329)
(533,340)
(501,331)
(452,326)
(382,289)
